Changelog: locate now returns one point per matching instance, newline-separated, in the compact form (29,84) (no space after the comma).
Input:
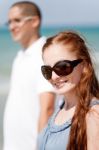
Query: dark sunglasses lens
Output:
(63,68)
(47,72)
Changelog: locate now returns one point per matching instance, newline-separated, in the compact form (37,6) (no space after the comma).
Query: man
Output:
(30,101)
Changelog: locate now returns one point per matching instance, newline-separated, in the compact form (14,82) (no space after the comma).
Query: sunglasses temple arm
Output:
(75,63)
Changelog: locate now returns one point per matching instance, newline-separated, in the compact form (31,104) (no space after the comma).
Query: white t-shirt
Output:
(22,108)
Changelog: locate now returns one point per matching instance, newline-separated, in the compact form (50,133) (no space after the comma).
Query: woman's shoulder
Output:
(92,125)
(93,113)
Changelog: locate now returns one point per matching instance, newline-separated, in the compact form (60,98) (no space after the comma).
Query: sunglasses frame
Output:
(47,70)
(19,21)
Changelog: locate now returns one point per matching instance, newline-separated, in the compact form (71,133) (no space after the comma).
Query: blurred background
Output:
(58,15)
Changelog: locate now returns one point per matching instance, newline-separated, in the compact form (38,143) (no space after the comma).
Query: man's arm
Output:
(47,103)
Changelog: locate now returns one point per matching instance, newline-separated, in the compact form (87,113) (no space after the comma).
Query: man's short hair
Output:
(28,8)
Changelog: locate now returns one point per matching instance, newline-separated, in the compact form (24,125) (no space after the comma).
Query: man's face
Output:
(19,24)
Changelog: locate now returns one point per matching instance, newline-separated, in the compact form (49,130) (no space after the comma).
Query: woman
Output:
(68,67)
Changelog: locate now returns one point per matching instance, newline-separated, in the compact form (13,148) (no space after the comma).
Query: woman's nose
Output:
(54,76)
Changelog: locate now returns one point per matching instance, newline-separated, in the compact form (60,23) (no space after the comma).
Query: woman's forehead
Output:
(56,53)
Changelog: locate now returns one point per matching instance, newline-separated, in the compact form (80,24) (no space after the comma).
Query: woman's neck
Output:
(70,101)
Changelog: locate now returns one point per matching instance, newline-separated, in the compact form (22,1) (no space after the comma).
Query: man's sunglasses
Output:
(19,21)
(61,68)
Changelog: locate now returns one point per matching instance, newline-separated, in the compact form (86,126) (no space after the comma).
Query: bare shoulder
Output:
(93,113)
(92,127)
(92,118)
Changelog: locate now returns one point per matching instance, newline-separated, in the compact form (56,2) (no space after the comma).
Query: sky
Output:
(61,12)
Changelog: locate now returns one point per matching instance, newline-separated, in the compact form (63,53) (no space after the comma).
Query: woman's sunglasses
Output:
(61,68)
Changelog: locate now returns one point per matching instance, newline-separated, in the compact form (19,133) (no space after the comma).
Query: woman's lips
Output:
(59,84)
